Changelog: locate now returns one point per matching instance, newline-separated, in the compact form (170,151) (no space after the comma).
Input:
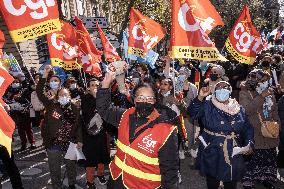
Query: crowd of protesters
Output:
(215,111)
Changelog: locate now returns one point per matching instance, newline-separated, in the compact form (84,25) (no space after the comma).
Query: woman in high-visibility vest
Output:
(147,147)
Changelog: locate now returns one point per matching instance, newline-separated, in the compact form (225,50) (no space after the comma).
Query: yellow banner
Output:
(6,142)
(137,52)
(240,58)
(197,53)
(66,65)
(36,30)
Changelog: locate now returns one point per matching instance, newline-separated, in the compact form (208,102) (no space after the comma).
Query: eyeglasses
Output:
(149,99)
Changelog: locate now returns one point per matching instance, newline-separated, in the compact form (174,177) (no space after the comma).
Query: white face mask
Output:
(54,85)
(63,100)
(73,86)
(16,85)
(262,87)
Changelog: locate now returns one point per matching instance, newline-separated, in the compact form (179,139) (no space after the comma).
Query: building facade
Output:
(35,52)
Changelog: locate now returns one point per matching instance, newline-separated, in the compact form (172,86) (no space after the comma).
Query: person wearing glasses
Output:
(147,144)
(227,135)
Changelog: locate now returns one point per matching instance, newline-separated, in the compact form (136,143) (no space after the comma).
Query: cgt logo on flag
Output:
(89,55)
(244,41)
(144,34)
(205,14)
(188,39)
(63,48)
(27,19)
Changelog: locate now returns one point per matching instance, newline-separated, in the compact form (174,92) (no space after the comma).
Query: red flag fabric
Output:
(244,41)
(7,125)
(144,34)
(63,48)
(5,80)
(89,55)
(27,19)
(205,13)
(7,128)
(109,51)
(188,39)
(2,40)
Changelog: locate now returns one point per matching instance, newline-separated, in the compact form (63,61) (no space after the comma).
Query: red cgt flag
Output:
(7,128)
(188,38)
(63,48)
(205,13)
(2,40)
(89,55)
(27,19)
(7,125)
(144,34)
(109,51)
(244,41)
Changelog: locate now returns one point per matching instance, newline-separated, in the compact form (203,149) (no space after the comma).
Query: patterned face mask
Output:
(63,100)
(262,87)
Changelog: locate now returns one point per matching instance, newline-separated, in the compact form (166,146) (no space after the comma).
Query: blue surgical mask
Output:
(63,100)
(203,66)
(182,78)
(54,85)
(222,95)
(262,87)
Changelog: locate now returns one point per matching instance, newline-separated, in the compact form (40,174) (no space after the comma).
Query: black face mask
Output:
(144,109)
(265,64)
(213,77)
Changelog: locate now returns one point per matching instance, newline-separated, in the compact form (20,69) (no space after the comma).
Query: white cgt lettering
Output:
(146,38)
(69,52)
(245,40)
(194,27)
(54,42)
(40,4)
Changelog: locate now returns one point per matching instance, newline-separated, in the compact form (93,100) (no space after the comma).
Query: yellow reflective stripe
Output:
(137,155)
(135,172)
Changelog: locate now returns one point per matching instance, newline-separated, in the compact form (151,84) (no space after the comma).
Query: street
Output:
(35,173)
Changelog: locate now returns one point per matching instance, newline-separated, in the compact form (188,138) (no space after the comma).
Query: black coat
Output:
(94,147)
(168,154)
(280,159)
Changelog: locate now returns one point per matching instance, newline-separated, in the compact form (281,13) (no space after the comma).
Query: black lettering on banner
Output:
(37,30)
(199,53)
(236,55)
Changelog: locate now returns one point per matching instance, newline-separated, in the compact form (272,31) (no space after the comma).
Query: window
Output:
(80,7)
(63,8)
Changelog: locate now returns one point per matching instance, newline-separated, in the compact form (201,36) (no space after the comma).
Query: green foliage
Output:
(263,14)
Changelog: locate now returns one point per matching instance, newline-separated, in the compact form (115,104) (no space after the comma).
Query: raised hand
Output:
(203,93)
(47,69)
(109,77)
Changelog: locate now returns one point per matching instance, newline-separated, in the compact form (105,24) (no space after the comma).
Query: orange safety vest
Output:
(138,162)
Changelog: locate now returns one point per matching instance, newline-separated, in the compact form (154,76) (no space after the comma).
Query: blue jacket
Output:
(216,159)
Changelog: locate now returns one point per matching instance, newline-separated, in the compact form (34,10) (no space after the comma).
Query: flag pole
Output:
(84,82)
(24,62)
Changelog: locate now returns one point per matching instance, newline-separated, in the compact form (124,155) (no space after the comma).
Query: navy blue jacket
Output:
(216,159)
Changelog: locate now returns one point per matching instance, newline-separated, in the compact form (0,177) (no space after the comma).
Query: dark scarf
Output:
(63,135)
